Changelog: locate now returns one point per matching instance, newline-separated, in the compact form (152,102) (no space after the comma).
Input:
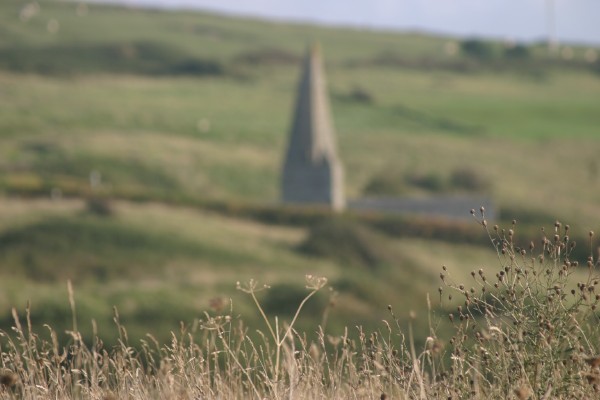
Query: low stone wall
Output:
(451,207)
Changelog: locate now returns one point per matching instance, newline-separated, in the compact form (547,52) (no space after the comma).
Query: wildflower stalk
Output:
(313,283)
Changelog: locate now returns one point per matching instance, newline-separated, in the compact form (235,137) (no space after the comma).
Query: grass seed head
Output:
(593,362)
(8,379)
(523,392)
(593,379)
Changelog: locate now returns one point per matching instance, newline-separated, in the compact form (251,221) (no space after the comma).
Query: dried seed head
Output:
(523,392)
(436,346)
(594,362)
(8,378)
(593,378)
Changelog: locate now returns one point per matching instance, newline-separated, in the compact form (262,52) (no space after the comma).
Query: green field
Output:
(184,116)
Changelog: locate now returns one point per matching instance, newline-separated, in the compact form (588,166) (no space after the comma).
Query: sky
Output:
(575,21)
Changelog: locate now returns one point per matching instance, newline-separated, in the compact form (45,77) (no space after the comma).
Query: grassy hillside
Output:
(189,112)
(156,263)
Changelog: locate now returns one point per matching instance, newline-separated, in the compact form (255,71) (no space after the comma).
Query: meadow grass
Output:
(203,151)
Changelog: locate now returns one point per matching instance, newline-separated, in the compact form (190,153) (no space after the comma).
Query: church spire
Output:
(312,171)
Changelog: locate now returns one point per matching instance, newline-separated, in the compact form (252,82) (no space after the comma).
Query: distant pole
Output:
(551,26)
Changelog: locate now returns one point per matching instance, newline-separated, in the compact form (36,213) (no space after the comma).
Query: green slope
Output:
(187,108)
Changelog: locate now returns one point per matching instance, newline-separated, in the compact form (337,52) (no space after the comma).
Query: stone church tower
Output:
(312,172)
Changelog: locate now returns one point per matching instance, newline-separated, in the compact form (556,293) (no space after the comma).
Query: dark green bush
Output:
(86,247)
(468,179)
(361,95)
(283,300)
(349,243)
(268,56)
(517,52)
(430,181)
(144,57)
(385,184)
(477,49)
